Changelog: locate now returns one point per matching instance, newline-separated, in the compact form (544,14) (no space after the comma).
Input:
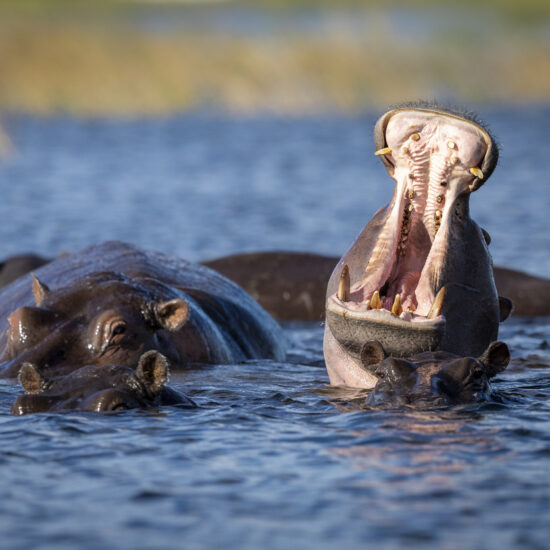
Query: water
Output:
(273,457)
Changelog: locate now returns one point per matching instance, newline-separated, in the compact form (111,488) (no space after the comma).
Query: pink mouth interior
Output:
(431,156)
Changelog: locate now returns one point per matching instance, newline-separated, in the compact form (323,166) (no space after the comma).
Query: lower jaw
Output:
(398,337)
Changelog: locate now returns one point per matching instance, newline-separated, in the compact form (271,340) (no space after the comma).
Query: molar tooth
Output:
(375,300)
(411,193)
(415,137)
(439,198)
(476,172)
(384,151)
(437,214)
(437,306)
(451,145)
(397,308)
(343,285)
(405,150)
(454,160)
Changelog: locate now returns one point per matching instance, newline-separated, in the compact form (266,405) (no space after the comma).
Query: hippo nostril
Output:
(477,374)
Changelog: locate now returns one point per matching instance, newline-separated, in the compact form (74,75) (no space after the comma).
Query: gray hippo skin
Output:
(291,286)
(419,276)
(432,378)
(112,302)
(100,389)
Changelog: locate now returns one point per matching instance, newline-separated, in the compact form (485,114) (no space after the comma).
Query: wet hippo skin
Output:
(111,302)
(434,378)
(99,389)
(291,286)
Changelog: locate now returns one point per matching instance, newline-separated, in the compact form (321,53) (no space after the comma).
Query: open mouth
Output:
(436,159)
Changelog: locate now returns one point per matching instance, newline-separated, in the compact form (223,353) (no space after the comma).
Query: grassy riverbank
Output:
(123,58)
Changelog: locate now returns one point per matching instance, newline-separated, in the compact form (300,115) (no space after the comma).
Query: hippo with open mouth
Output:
(419,276)
(111,302)
(432,378)
(99,389)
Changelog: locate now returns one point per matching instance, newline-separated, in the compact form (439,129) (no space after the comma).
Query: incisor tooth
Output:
(375,302)
(384,151)
(397,308)
(415,137)
(367,304)
(343,285)
(437,306)
(476,172)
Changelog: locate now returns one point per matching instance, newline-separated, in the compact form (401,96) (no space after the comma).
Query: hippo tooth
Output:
(437,306)
(384,151)
(375,300)
(367,305)
(397,308)
(476,172)
(344,284)
(39,290)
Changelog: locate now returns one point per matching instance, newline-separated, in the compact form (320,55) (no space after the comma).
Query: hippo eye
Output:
(115,331)
(120,407)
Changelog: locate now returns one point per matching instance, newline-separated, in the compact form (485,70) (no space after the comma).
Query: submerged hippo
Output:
(433,378)
(112,302)
(419,276)
(99,389)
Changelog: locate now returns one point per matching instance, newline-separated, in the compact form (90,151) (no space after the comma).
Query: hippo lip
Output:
(433,158)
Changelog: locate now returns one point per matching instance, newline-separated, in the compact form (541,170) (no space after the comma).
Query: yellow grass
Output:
(72,66)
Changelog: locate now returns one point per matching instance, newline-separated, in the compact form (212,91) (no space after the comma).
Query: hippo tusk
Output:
(477,172)
(437,306)
(343,285)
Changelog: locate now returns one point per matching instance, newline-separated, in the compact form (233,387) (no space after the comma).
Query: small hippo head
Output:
(434,378)
(97,389)
(103,319)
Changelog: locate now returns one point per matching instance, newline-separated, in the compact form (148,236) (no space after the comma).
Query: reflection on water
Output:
(273,457)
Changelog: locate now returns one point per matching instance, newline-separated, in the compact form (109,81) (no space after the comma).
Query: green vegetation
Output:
(91,58)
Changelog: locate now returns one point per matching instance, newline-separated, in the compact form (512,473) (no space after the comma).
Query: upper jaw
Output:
(435,161)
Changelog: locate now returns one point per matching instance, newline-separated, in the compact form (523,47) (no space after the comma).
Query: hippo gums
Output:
(99,389)
(419,276)
(112,302)
(432,378)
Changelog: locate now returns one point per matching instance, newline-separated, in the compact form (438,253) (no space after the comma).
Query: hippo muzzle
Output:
(419,276)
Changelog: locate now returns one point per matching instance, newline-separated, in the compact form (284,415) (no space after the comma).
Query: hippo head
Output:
(419,276)
(96,389)
(432,378)
(105,318)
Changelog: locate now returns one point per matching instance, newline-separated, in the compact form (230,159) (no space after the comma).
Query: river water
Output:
(273,457)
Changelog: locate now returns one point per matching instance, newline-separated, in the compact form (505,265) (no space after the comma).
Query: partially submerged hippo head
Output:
(432,378)
(99,389)
(102,319)
(419,276)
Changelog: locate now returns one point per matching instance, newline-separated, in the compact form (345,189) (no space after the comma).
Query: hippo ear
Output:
(173,314)
(495,358)
(506,307)
(30,379)
(152,371)
(39,290)
(372,354)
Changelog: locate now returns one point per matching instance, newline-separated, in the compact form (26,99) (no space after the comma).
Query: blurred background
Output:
(284,56)
(203,128)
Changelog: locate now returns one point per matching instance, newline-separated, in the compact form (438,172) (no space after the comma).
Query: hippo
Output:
(291,286)
(111,302)
(419,277)
(99,389)
(432,378)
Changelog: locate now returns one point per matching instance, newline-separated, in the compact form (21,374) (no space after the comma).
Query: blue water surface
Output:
(273,457)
